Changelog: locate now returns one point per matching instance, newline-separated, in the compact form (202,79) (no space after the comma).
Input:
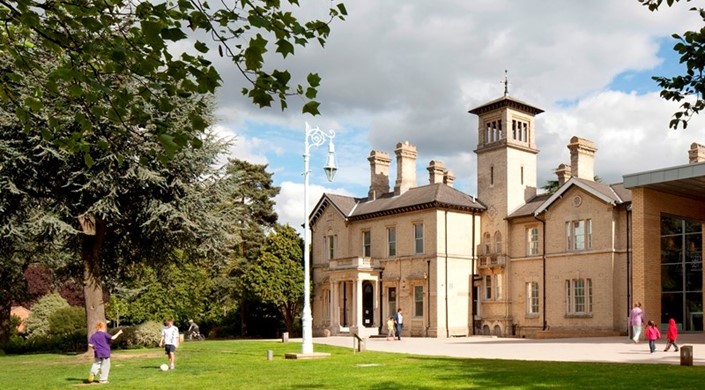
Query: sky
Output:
(410,71)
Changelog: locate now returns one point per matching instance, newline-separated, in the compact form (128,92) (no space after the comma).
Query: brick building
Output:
(508,262)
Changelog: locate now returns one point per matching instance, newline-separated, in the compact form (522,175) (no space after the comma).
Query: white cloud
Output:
(290,201)
(410,70)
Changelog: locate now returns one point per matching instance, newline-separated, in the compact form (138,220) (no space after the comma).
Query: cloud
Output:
(411,70)
(289,202)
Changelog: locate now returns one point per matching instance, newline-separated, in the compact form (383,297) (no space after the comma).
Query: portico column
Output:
(333,307)
(358,304)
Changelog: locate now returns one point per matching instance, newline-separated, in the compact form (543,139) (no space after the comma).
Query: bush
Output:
(67,320)
(75,342)
(148,334)
(38,321)
(15,322)
(145,335)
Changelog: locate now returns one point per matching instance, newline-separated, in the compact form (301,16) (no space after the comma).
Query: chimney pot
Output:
(563,173)
(449,178)
(406,167)
(436,172)
(696,153)
(582,158)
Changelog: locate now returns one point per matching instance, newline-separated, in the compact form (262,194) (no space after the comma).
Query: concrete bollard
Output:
(285,337)
(686,355)
(270,355)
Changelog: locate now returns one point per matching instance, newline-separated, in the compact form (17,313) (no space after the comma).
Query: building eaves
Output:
(599,190)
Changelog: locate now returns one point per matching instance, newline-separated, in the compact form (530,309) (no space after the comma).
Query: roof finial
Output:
(506,83)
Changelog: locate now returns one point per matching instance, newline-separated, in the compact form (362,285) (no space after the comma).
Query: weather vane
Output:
(506,83)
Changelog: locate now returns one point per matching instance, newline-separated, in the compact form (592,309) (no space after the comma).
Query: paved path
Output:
(591,349)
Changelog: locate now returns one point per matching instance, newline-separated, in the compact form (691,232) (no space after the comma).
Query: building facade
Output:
(509,262)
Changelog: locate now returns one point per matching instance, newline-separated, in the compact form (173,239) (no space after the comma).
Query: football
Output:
(164,367)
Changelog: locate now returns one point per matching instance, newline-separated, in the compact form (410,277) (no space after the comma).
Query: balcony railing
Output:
(351,262)
(493,261)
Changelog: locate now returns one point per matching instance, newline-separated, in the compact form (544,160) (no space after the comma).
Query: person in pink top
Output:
(636,320)
(671,335)
(653,334)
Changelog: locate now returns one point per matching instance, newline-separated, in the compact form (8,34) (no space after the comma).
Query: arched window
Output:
(498,242)
(486,243)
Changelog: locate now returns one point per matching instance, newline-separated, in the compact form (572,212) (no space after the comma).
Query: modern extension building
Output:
(509,262)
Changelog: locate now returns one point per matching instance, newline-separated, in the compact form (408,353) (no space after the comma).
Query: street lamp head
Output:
(330,169)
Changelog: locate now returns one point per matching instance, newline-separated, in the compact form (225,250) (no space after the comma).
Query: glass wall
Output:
(681,272)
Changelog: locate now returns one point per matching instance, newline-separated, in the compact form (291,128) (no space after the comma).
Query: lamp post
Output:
(314,137)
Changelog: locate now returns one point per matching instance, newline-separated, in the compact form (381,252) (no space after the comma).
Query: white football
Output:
(164,367)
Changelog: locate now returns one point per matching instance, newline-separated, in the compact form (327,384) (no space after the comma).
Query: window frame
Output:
(532,241)
(579,300)
(418,300)
(366,243)
(330,246)
(391,244)
(578,235)
(532,298)
(488,287)
(419,240)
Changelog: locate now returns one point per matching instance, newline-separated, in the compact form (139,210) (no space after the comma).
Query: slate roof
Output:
(417,198)
(610,193)
(506,101)
(530,207)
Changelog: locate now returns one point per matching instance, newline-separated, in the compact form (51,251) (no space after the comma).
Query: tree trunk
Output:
(5,323)
(289,317)
(91,254)
(243,316)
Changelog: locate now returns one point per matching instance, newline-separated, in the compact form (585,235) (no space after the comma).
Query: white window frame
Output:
(366,243)
(578,293)
(532,298)
(497,287)
(418,301)
(532,241)
(418,238)
(578,234)
(330,247)
(391,241)
(488,287)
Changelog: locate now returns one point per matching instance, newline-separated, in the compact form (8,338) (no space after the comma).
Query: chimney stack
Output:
(563,173)
(406,167)
(696,153)
(582,158)
(379,174)
(448,178)
(436,172)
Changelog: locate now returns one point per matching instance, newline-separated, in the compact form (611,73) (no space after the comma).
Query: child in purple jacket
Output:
(100,342)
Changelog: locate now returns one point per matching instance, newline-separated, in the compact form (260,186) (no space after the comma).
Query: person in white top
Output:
(170,340)
(399,321)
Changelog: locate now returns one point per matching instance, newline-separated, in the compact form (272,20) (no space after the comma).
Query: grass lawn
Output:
(244,365)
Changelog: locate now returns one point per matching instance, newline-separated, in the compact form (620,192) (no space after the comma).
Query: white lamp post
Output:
(314,137)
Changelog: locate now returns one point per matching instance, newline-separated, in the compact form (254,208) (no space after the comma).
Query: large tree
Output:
(277,276)
(118,57)
(688,88)
(253,192)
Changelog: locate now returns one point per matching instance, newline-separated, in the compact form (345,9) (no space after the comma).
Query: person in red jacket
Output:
(671,335)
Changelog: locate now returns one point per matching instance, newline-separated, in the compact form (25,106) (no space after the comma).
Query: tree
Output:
(551,186)
(277,276)
(688,88)
(115,58)
(253,192)
(128,207)
(38,320)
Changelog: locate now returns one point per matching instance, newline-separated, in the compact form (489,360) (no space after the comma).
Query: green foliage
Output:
(277,276)
(114,61)
(67,320)
(38,321)
(74,342)
(15,322)
(688,88)
(145,335)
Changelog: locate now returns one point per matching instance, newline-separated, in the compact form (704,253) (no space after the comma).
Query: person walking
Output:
(100,342)
(636,320)
(671,335)
(399,321)
(170,340)
(390,328)
(653,334)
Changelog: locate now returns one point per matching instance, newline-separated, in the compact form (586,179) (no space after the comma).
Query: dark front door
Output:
(368,299)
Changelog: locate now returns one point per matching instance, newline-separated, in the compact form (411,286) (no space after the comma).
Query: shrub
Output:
(148,334)
(75,342)
(38,321)
(15,322)
(67,320)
